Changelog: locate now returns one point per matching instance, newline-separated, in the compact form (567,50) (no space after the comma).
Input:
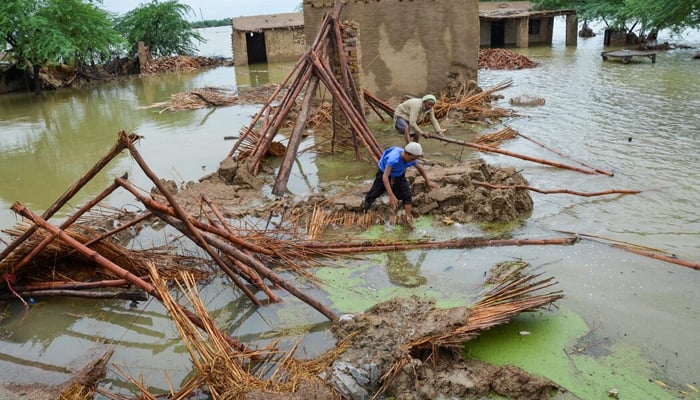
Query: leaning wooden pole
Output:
(559,153)
(112,267)
(511,154)
(280,185)
(123,141)
(264,110)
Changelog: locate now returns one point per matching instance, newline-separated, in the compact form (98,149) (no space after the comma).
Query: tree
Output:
(644,17)
(161,26)
(43,33)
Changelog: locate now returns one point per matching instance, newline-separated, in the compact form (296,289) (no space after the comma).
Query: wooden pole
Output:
(466,243)
(280,185)
(511,154)
(600,171)
(565,191)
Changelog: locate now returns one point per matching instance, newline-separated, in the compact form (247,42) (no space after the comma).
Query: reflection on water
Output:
(403,272)
(638,120)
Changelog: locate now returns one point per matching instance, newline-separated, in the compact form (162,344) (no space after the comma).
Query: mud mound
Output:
(378,336)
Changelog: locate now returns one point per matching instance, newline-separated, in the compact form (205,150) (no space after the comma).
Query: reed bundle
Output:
(494,139)
(218,366)
(473,106)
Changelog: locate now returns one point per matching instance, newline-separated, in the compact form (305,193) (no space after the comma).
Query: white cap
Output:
(414,148)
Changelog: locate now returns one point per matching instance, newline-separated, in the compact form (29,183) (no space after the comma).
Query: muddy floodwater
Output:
(628,322)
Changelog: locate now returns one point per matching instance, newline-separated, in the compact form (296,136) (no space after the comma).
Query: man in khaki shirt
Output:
(408,113)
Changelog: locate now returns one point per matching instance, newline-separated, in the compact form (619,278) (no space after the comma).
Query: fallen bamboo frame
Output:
(187,220)
(259,267)
(556,191)
(123,142)
(512,154)
(227,249)
(112,267)
(187,230)
(49,238)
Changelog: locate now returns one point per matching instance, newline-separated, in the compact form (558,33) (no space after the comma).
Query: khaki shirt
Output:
(412,111)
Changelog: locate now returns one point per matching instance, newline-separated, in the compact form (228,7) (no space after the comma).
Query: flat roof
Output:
(515,9)
(259,23)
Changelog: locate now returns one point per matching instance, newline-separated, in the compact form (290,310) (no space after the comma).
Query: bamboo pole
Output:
(565,191)
(600,171)
(75,285)
(123,141)
(86,294)
(656,256)
(110,266)
(375,246)
(511,154)
(372,99)
(280,185)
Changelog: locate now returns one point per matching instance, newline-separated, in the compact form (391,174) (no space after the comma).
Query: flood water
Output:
(638,120)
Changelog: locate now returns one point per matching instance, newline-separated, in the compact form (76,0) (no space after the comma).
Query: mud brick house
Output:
(518,24)
(408,47)
(268,38)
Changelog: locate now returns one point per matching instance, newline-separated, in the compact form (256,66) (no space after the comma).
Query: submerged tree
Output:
(642,17)
(161,26)
(42,33)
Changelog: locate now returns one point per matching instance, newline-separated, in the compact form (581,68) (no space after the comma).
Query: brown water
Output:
(639,120)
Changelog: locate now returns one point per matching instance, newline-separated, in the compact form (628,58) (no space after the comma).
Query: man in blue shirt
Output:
(391,177)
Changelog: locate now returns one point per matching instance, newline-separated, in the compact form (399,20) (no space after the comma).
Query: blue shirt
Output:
(392,157)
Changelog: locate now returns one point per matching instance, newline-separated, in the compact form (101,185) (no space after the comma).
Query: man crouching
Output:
(391,178)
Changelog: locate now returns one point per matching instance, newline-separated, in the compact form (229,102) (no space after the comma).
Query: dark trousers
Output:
(399,185)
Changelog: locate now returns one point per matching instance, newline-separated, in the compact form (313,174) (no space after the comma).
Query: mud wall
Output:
(281,45)
(285,44)
(408,47)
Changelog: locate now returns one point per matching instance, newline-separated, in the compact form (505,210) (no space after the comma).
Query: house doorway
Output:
(498,33)
(255,46)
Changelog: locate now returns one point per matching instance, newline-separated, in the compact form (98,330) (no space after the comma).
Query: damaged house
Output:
(267,38)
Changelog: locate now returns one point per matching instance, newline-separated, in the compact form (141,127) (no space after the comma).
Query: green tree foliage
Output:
(42,33)
(640,16)
(161,26)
